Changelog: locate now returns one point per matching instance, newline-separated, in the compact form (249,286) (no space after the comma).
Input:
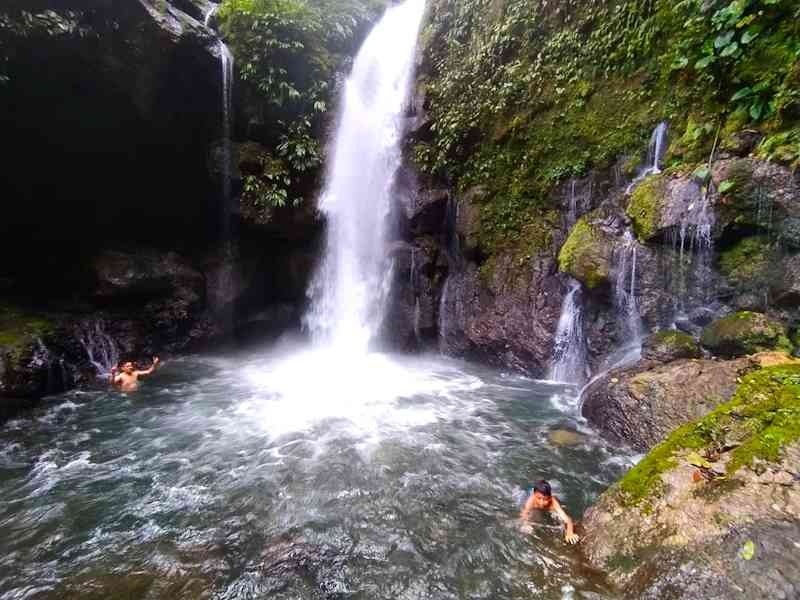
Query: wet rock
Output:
(660,203)
(468,221)
(757,194)
(412,311)
(675,527)
(741,143)
(587,252)
(787,290)
(641,405)
(744,333)
(668,345)
(503,312)
(428,213)
(39,355)
(144,273)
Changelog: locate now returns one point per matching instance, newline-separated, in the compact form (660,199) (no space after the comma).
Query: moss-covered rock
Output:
(747,260)
(586,254)
(644,207)
(762,417)
(745,332)
(726,476)
(669,344)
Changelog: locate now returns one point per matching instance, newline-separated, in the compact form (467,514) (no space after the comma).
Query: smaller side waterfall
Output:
(625,288)
(655,153)
(569,354)
(657,148)
(226,61)
(101,349)
(211,12)
(693,244)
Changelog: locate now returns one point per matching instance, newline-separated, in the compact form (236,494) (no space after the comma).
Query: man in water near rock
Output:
(127,379)
(542,499)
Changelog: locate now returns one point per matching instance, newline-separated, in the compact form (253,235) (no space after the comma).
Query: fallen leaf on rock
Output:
(698,461)
(748,550)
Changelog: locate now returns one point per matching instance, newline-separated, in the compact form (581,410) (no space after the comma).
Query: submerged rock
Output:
(564,437)
(744,333)
(712,511)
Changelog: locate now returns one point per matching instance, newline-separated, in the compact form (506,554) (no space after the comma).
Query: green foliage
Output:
(763,417)
(524,94)
(288,53)
(19,327)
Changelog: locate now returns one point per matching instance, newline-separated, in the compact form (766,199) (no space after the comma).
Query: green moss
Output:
(763,417)
(749,259)
(673,343)
(644,208)
(745,332)
(18,327)
(581,255)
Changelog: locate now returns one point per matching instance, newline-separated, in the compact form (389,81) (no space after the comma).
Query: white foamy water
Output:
(350,287)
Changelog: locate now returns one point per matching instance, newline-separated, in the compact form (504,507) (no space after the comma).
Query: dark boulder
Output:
(744,333)
(641,405)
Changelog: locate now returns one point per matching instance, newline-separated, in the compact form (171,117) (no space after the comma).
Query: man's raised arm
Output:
(151,369)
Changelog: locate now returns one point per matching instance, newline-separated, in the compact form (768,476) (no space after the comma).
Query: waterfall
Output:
(226,62)
(625,288)
(348,291)
(657,148)
(569,354)
(211,12)
(100,348)
(693,244)
(655,152)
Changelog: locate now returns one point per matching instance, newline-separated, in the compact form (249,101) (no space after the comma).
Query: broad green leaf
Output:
(679,63)
(726,186)
(723,39)
(704,62)
(701,173)
(751,34)
(742,93)
(730,49)
(757,110)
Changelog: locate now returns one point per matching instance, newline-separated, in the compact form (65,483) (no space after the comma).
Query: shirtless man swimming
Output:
(542,499)
(127,379)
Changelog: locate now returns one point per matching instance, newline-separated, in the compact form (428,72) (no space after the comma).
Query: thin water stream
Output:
(281,474)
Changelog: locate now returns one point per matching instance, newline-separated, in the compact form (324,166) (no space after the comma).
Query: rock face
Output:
(745,333)
(641,405)
(712,511)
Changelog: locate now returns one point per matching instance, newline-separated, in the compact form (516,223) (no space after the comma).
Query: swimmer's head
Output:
(542,494)
(128,367)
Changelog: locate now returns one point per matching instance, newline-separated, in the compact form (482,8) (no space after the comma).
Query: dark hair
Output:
(543,488)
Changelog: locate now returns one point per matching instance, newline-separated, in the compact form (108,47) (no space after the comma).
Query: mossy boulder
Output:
(716,484)
(586,254)
(746,261)
(743,333)
(669,344)
(644,208)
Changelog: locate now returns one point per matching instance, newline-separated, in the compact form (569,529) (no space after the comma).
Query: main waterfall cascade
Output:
(350,288)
